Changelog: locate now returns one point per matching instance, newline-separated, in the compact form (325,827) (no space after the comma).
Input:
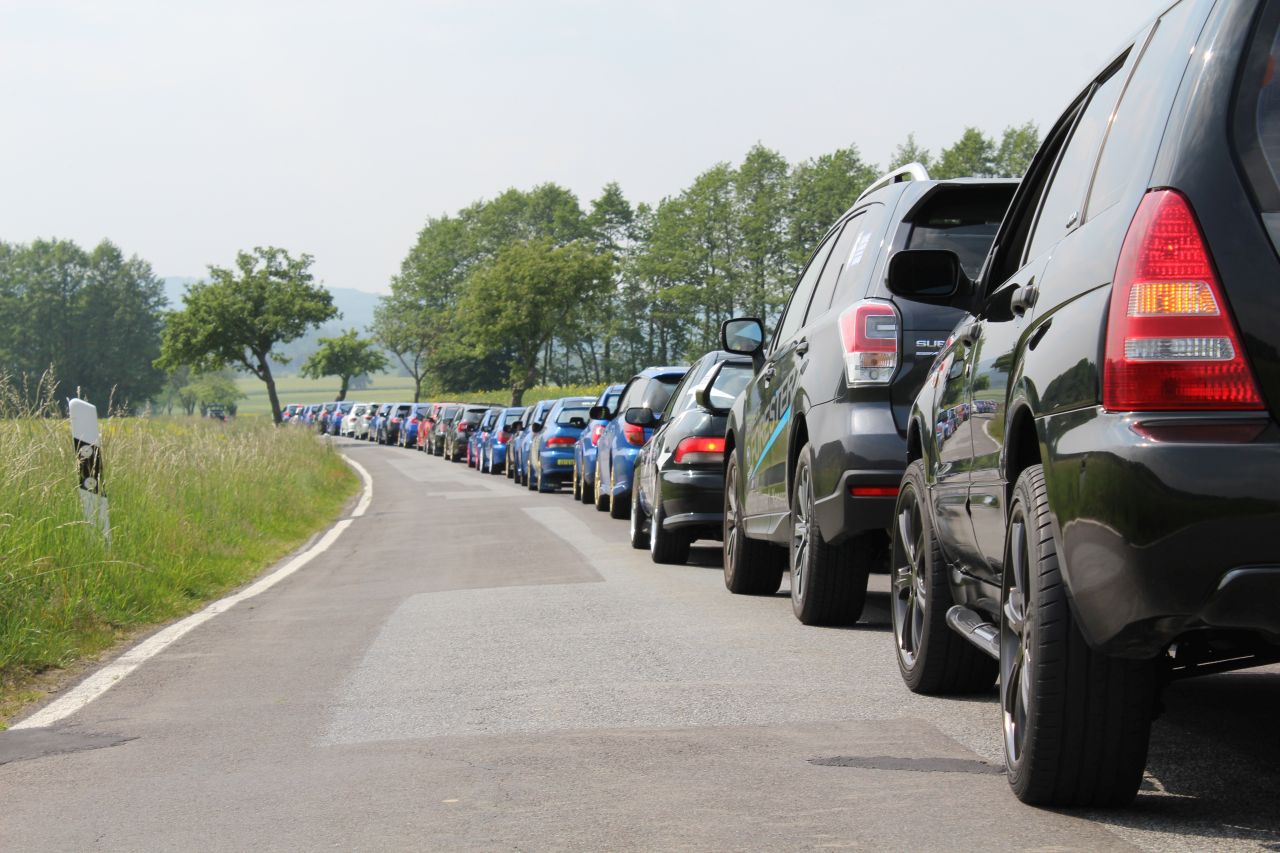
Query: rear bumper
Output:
(1159,538)
(855,444)
(693,500)
(556,464)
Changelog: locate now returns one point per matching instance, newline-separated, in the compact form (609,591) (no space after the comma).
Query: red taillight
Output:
(869,333)
(1171,345)
(699,449)
(874,491)
(560,441)
(596,432)
(633,434)
(501,438)
(462,427)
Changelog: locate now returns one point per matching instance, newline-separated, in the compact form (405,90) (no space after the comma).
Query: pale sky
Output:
(185,130)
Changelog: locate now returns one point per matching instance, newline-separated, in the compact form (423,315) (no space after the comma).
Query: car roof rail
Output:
(909,172)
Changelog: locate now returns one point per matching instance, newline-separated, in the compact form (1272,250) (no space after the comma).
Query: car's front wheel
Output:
(751,567)
(828,582)
(1076,723)
(932,658)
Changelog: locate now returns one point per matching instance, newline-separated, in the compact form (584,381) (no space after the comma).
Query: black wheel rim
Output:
(910,587)
(800,533)
(1015,646)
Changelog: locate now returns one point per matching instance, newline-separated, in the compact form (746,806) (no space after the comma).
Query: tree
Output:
(821,190)
(972,156)
(241,315)
(345,356)
(910,152)
(762,189)
(529,293)
(1017,146)
(213,389)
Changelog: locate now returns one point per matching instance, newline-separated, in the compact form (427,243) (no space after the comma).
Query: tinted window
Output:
(403,410)
(540,412)
(575,415)
(630,396)
(863,249)
(840,254)
(1060,210)
(472,417)
(451,412)
(658,391)
(487,421)
(730,382)
(509,418)
(962,222)
(611,401)
(794,316)
(682,395)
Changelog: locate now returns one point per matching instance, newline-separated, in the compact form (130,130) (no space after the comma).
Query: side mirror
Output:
(640,416)
(536,427)
(932,276)
(742,335)
(598,413)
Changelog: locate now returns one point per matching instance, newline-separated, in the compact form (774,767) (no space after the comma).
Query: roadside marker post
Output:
(88,444)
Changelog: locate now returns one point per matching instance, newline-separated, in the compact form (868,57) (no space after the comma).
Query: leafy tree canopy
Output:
(345,356)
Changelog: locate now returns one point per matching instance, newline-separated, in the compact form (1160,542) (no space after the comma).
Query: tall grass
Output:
(197,507)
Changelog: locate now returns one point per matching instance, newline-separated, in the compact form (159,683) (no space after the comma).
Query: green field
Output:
(197,507)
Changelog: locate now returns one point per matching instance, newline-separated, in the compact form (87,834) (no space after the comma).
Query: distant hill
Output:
(356,307)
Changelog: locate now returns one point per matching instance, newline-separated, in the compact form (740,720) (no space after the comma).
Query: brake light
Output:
(633,434)
(874,491)
(560,441)
(596,432)
(696,450)
(462,427)
(1171,344)
(501,438)
(869,333)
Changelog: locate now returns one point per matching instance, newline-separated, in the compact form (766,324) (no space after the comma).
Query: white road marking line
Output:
(111,674)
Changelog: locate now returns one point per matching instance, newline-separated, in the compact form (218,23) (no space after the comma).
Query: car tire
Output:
(751,567)
(828,582)
(932,658)
(577,483)
(619,509)
(1077,723)
(639,533)
(602,498)
(531,480)
(666,547)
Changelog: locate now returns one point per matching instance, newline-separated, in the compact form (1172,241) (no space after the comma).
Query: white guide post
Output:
(88,444)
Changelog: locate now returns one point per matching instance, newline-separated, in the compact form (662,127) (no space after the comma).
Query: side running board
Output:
(968,624)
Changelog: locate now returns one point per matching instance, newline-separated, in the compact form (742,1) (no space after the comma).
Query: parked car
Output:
(1104,521)
(620,442)
(321,422)
(524,441)
(391,421)
(426,423)
(584,452)
(551,449)
(446,415)
(493,449)
(380,415)
(479,435)
(290,412)
(520,429)
(356,424)
(408,437)
(337,417)
(816,444)
(459,429)
(678,492)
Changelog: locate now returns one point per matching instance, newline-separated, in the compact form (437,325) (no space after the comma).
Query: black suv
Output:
(816,444)
(1092,499)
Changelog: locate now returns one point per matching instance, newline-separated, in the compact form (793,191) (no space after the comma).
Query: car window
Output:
(841,252)
(629,395)
(855,266)
(451,412)
(658,392)
(509,418)
(611,401)
(794,315)
(961,222)
(682,395)
(540,413)
(575,415)
(1060,209)
(729,383)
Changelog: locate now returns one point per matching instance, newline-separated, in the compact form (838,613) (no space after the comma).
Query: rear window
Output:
(573,415)
(473,416)
(961,222)
(450,412)
(658,392)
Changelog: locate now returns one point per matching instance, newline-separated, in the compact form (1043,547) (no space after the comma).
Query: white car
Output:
(355,424)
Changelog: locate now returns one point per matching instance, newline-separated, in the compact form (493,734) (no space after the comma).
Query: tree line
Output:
(532,288)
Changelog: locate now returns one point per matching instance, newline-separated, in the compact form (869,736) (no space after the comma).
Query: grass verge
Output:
(198,507)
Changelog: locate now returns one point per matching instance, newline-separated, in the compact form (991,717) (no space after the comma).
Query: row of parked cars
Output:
(1046,408)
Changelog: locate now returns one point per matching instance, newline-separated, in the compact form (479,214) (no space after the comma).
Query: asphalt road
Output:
(473,666)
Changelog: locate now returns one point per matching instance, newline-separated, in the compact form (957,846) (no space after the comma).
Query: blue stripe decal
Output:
(777,431)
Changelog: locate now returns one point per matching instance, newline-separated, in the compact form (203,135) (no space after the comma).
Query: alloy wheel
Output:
(800,532)
(731,517)
(1016,642)
(910,589)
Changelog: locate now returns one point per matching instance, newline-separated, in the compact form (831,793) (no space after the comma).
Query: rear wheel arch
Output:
(799,438)
(1022,447)
(915,444)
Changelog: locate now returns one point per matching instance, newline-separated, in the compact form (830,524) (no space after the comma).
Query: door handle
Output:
(803,347)
(1024,299)
(969,333)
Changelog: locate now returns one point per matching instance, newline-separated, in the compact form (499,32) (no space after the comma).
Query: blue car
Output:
(551,450)
(493,448)
(524,441)
(479,436)
(340,411)
(408,435)
(513,444)
(620,443)
(584,452)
